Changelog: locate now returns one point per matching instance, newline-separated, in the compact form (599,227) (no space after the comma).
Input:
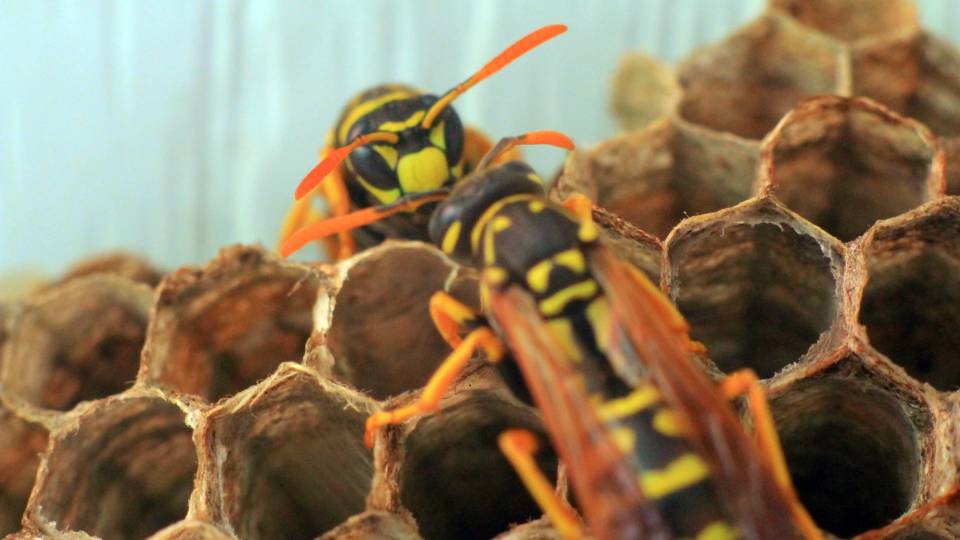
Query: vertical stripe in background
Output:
(173,128)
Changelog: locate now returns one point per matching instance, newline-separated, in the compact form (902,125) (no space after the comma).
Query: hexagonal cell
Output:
(285,458)
(21,444)
(75,342)
(118,468)
(852,20)
(377,321)
(191,529)
(643,90)
(656,177)
(374,525)
(844,163)
(757,283)
(218,329)
(910,302)
(865,425)
(534,530)
(951,150)
(937,520)
(744,84)
(630,243)
(452,476)
(917,75)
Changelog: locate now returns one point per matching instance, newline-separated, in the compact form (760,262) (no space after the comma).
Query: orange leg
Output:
(441,381)
(744,382)
(519,446)
(335,191)
(476,145)
(580,205)
(450,316)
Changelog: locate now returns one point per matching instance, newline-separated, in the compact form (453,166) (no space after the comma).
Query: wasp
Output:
(389,143)
(653,447)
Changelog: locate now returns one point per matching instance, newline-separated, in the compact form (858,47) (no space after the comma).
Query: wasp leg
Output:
(580,205)
(451,317)
(476,145)
(302,214)
(335,191)
(744,382)
(441,380)
(519,446)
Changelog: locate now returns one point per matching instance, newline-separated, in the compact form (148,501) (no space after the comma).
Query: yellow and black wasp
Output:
(392,143)
(653,447)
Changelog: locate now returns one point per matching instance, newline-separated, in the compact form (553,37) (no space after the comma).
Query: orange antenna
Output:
(551,138)
(325,167)
(509,54)
(357,219)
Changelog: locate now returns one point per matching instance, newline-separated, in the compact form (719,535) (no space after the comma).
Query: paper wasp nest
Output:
(809,239)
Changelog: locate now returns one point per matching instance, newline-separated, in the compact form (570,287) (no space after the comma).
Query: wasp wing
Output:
(647,333)
(606,485)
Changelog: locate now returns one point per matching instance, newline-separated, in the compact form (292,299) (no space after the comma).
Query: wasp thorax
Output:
(455,218)
(423,158)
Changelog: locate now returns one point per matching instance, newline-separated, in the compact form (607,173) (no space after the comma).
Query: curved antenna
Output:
(551,138)
(358,219)
(315,176)
(508,55)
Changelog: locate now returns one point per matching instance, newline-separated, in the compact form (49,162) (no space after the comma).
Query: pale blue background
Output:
(173,128)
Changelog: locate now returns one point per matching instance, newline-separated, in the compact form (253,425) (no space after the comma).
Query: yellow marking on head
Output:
(558,301)
(625,439)
(401,125)
(670,423)
(423,171)
(680,473)
(488,215)
(646,395)
(450,237)
(436,136)
(495,275)
(388,153)
(588,231)
(362,109)
(562,330)
(572,259)
(385,196)
(598,315)
(718,530)
(535,177)
(536,206)
(538,277)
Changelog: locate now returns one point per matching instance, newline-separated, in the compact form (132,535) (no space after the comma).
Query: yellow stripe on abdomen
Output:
(682,472)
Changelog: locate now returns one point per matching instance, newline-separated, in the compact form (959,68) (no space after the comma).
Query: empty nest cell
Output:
(219,329)
(844,163)
(381,336)
(285,459)
(911,301)
(852,450)
(21,444)
(916,75)
(453,478)
(746,83)
(852,20)
(757,285)
(656,177)
(122,468)
(78,341)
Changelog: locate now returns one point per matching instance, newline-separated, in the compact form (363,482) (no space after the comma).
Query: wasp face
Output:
(454,225)
(423,159)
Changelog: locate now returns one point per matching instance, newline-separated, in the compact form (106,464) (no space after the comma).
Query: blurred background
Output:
(174,128)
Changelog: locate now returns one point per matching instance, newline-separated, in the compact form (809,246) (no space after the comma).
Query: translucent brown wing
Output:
(605,484)
(648,334)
